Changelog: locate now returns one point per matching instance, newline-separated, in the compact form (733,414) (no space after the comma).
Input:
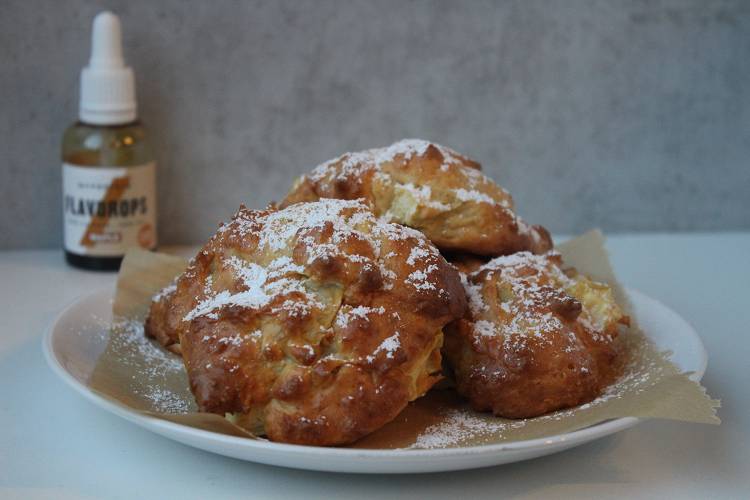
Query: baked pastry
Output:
(535,338)
(430,188)
(315,324)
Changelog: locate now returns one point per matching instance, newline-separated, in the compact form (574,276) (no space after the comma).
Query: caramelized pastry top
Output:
(430,188)
(314,324)
(535,338)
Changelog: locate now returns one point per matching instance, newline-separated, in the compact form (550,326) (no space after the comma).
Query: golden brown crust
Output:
(430,188)
(163,320)
(315,324)
(533,340)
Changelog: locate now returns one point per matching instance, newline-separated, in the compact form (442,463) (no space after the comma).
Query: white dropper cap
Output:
(107,85)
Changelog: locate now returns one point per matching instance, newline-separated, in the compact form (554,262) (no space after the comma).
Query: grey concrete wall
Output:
(624,115)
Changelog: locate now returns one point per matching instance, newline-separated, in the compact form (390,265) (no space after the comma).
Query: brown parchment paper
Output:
(138,373)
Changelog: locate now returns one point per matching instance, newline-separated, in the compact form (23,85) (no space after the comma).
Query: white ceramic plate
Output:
(71,347)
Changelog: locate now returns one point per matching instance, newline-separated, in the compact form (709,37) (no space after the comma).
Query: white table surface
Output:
(54,444)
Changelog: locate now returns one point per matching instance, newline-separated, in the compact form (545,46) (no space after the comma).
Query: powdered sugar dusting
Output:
(152,367)
(389,345)
(167,401)
(464,427)
(420,279)
(130,335)
(353,167)
(261,286)
(475,196)
(419,252)
(477,304)
(283,276)
(283,283)
(459,426)
(522,272)
(353,164)
(360,312)
(165,292)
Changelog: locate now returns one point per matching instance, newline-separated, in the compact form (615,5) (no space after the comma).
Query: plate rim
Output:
(163,427)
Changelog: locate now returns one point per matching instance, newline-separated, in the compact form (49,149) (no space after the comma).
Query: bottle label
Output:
(107,210)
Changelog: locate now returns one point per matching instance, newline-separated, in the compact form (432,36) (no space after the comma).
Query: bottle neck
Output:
(107,96)
(131,123)
(107,117)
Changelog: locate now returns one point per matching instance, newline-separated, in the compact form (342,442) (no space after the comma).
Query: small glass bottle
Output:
(109,173)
